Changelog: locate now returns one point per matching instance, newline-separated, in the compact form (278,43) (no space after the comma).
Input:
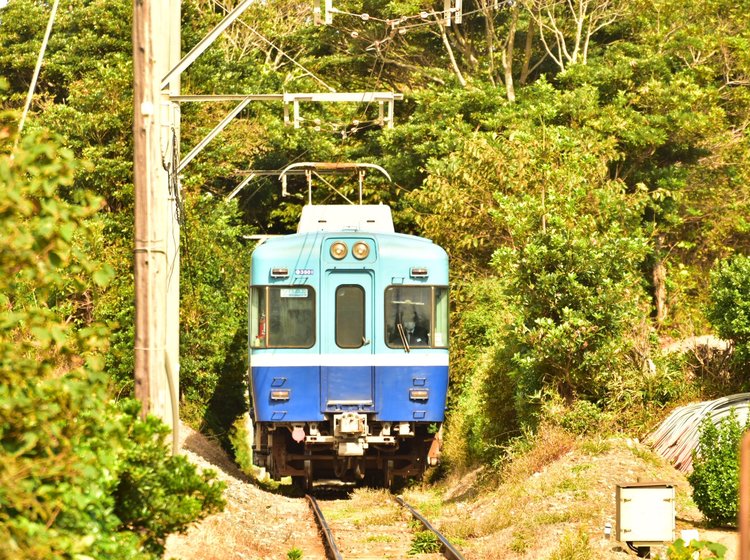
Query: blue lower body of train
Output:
(376,419)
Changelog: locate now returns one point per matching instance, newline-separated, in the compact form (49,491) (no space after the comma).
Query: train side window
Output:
(350,316)
(258,317)
(290,317)
(408,316)
(440,337)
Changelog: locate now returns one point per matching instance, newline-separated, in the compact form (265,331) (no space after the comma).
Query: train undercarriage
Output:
(349,447)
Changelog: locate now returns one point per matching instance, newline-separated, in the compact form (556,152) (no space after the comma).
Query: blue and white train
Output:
(348,348)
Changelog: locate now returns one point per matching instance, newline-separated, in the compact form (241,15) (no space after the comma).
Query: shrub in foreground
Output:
(80,476)
(715,476)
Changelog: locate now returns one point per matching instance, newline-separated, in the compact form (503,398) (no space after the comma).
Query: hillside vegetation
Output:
(586,165)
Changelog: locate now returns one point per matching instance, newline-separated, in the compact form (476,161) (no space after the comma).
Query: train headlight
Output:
(419,394)
(339,250)
(280,395)
(360,250)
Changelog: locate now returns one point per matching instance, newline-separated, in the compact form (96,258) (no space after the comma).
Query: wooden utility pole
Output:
(157,66)
(156,237)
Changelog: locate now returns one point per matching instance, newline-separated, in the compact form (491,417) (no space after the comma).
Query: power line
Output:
(435,17)
(284,54)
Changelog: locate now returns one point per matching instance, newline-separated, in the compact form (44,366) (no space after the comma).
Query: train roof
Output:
(370,218)
(322,224)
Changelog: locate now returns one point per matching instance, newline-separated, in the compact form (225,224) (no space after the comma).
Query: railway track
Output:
(377,531)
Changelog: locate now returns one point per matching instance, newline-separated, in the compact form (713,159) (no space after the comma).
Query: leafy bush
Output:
(213,339)
(481,414)
(729,310)
(240,439)
(80,476)
(715,476)
(678,550)
(582,417)
(424,542)
(574,275)
(156,493)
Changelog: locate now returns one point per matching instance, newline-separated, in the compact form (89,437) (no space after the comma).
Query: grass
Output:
(521,540)
(541,493)
(549,444)
(381,539)
(429,504)
(294,554)
(553,517)
(597,446)
(368,507)
(574,545)
(647,456)
(424,542)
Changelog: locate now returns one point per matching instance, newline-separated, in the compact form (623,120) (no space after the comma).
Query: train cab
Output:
(348,348)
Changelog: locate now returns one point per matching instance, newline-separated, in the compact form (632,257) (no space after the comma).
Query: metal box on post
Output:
(645,513)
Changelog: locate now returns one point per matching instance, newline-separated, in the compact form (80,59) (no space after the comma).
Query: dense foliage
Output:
(80,476)
(679,550)
(585,164)
(729,310)
(716,470)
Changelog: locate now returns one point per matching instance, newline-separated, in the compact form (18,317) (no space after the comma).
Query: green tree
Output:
(68,478)
(85,95)
(574,272)
(729,310)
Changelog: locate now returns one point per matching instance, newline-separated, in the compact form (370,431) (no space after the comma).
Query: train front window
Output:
(350,316)
(282,317)
(416,316)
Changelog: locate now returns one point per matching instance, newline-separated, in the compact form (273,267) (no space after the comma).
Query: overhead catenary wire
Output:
(279,49)
(434,17)
(395,27)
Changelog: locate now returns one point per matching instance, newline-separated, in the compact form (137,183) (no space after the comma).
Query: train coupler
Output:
(349,424)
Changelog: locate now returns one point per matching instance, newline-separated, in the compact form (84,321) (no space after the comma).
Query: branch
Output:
(448,47)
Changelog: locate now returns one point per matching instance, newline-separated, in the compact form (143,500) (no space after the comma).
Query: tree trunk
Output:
(508,57)
(660,284)
(525,69)
(454,64)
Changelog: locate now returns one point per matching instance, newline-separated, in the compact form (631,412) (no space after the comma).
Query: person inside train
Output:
(417,334)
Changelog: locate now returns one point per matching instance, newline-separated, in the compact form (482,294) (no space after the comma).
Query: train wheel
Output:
(308,475)
(388,477)
(304,482)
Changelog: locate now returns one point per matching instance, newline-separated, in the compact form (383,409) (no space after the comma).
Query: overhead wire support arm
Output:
(452,13)
(239,187)
(288,98)
(211,135)
(206,42)
(380,97)
(227,97)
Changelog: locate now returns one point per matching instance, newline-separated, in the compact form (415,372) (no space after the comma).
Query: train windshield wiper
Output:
(402,334)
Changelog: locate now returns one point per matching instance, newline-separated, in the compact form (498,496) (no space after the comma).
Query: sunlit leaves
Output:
(67,451)
(729,310)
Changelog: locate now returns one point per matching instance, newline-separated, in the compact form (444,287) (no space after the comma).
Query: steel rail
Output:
(329,543)
(447,550)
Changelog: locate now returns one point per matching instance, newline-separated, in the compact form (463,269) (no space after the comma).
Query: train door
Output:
(347,366)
